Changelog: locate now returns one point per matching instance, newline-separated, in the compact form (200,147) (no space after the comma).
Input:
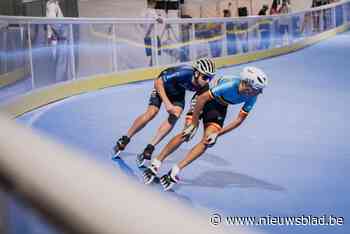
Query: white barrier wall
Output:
(194,8)
(214,8)
(111,8)
(88,47)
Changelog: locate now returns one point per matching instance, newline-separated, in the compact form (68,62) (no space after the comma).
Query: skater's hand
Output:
(189,132)
(171,109)
(211,139)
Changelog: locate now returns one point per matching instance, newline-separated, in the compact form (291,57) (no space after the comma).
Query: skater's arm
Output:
(159,86)
(201,100)
(235,123)
(245,110)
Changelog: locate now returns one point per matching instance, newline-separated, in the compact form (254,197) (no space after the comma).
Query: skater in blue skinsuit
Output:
(211,106)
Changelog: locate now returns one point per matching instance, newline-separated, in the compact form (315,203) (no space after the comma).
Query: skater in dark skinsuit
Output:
(169,88)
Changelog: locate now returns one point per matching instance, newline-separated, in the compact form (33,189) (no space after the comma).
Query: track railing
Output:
(85,47)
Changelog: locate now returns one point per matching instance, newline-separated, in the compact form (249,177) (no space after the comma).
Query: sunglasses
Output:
(207,77)
(251,89)
(255,91)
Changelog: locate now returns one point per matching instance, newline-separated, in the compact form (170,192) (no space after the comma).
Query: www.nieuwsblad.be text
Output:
(269,220)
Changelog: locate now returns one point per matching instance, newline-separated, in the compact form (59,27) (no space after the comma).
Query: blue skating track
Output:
(290,158)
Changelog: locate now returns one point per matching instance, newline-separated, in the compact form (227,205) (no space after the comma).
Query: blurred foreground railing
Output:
(79,196)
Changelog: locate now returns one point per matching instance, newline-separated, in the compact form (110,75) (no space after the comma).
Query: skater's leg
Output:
(171,147)
(166,126)
(170,179)
(213,119)
(214,115)
(142,120)
(153,169)
(198,149)
(138,124)
(151,172)
(163,130)
(179,102)
(174,143)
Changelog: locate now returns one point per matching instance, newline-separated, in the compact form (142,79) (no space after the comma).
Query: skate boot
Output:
(120,146)
(146,155)
(168,181)
(150,174)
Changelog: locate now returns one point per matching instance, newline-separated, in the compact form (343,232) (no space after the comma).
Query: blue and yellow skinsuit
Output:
(176,81)
(224,92)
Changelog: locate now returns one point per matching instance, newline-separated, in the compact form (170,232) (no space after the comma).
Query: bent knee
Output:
(172,119)
(152,112)
(178,111)
(211,128)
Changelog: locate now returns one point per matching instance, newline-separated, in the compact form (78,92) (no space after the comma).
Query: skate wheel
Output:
(148,176)
(149,180)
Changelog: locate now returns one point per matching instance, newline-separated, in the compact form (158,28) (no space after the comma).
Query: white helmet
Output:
(205,66)
(255,77)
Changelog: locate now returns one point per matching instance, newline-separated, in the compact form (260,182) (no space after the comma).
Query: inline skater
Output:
(169,88)
(211,106)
